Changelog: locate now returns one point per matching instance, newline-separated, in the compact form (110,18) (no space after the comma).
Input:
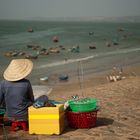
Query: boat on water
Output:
(108,44)
(30,30)
(54,50)
(55,39)
(91,33)
(44,78)
(63,77)
(31,56)
(115,42)
(120,29)
(75,49)
(92,47)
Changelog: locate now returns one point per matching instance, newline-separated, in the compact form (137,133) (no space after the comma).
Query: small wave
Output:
(121,51)
(88,57)
(65,62)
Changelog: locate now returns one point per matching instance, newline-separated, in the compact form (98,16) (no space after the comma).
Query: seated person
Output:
(16,91)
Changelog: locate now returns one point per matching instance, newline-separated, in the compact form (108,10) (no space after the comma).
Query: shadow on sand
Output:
(103,121)
(99,122)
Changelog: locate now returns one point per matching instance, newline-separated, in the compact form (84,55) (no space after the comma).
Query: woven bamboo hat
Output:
(18,69)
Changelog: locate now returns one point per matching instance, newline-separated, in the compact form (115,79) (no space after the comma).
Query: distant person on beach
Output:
(16,91)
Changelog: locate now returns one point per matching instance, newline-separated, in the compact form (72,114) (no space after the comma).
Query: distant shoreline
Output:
(121,19)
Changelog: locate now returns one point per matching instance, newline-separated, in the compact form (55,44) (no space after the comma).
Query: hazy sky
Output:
(22,9)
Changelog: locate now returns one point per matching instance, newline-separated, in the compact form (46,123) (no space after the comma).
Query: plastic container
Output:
(83,105)
(46,120)
(82,119)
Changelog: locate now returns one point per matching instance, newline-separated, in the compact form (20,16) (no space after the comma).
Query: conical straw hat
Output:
(18,69)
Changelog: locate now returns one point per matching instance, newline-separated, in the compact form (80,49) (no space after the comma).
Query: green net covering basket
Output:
(82,105)
(2,111)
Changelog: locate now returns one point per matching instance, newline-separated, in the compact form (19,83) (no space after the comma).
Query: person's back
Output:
(16,91)
(18,97)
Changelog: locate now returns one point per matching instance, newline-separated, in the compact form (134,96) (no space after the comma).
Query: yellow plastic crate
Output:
(46,120)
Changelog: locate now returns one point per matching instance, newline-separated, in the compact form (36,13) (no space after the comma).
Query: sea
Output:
(102,46)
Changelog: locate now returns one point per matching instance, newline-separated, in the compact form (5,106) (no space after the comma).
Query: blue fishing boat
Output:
(63,77)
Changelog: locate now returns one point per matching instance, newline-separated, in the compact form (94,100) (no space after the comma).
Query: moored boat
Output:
(44,78)
(63,77)
(92,47)
(30,30)
(55,39)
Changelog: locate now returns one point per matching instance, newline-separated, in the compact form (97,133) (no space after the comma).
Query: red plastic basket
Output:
(82,119)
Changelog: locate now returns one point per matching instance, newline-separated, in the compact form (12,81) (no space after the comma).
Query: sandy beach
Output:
(118,118)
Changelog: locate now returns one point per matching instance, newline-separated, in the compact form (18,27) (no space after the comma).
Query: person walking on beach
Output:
(15,90)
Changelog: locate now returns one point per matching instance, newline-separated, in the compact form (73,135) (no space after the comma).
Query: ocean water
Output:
(14,35)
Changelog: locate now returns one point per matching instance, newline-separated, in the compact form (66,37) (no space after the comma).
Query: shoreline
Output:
(91,81)
(73,77)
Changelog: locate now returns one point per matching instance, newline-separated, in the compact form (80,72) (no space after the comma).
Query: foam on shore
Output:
(120,51)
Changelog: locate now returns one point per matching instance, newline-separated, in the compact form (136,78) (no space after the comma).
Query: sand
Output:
(118,118)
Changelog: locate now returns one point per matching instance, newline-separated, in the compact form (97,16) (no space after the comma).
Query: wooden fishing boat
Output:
(30,56)
(92,47)
(55,39)
(30,30)
(54,50)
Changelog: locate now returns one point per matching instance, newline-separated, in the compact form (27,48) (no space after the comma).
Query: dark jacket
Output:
(18,96)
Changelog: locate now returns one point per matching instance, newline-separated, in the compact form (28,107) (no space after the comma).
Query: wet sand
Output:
(118,118)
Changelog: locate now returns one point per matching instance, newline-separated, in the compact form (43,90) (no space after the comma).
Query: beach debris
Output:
(117,74)
(114,78)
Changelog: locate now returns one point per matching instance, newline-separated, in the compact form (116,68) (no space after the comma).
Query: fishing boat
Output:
(55,39)
(31,56)
(63,77)
(75,49)
(91,33)
(44,78)
(54,50)
(30,30)
(11,54)
(92,47)
(116,40)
